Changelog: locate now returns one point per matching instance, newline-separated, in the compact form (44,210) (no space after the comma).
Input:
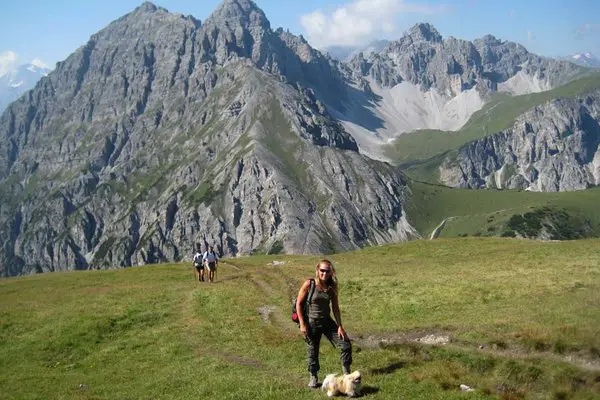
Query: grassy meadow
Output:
(517,319)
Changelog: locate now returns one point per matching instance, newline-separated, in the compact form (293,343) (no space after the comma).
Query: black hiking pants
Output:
(328,328)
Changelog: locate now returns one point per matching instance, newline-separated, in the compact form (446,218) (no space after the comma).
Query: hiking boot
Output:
(346,369)
(313,382)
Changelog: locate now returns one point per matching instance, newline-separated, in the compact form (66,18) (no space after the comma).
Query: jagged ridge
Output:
(162,133)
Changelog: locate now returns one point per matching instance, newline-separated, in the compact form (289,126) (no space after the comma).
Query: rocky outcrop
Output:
(422,57)
(162,134)
(553,147)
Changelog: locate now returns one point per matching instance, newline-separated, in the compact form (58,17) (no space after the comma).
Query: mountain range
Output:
(16,82)
(584,59)
(346,53)
(163,134)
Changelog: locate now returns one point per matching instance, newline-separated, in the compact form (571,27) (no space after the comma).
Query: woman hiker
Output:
(319,319)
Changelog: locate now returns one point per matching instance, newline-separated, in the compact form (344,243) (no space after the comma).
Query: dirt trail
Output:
(438,338)
(277,316)
(272,314)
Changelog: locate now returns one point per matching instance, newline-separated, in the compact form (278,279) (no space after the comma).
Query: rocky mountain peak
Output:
(146,7)
(424,32)
(490,40)
(233,13)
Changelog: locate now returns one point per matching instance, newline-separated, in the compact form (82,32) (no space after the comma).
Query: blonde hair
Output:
(331,283)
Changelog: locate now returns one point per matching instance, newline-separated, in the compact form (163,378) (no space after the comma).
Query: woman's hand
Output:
(342,333)
(303,329)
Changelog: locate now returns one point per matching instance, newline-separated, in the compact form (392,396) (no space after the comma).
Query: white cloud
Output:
(39,63)
(8,61)
(359,21)
(530,35)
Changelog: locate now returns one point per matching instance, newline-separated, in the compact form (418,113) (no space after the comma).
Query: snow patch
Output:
(406,108)
(401,109)
(523,83)
(39,64)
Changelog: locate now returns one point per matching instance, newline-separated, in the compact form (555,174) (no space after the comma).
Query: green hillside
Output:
(488,212)
(514,319)
(413,150)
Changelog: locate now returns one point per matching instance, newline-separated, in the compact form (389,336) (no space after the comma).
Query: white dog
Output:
(349,384)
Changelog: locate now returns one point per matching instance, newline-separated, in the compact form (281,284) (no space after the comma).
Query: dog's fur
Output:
(349,384)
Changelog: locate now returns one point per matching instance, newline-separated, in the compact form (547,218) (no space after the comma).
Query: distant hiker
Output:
(199,266)
(212,260)
(319,319)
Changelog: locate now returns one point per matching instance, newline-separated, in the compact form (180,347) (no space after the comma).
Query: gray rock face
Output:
(424,58)
(553,147)
(162,134)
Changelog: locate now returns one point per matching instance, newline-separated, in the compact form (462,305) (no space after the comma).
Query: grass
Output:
(153,332)
(414,149)
(488,212)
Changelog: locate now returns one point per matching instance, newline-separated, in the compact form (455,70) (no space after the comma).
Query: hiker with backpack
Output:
(313,310)
(211,260)
(199,266)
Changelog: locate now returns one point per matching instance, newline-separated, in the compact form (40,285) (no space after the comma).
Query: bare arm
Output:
(300,305)
(336,309)
(335,305)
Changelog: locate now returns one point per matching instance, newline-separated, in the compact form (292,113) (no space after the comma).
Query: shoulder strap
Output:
(311,290)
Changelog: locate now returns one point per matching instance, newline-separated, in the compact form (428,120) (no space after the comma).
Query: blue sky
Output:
(50,31)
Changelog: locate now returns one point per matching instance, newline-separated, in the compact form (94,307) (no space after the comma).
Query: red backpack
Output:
(307,300)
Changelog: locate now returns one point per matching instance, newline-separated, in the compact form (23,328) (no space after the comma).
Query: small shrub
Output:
(276,248)
(498,344)
(560,395)
(538,345)
(559,347)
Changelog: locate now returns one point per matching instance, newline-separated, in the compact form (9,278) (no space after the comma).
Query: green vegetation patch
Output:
(283,143)
(552,223)
(467,212)
(203,194)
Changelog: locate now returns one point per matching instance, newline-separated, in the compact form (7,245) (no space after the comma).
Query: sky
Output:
(49,31)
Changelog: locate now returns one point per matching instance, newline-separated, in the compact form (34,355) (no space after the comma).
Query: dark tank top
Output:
(318,309)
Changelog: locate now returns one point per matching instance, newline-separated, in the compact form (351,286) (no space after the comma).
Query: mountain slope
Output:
(500,113)
(162,134)
(423,81)
(553,147)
